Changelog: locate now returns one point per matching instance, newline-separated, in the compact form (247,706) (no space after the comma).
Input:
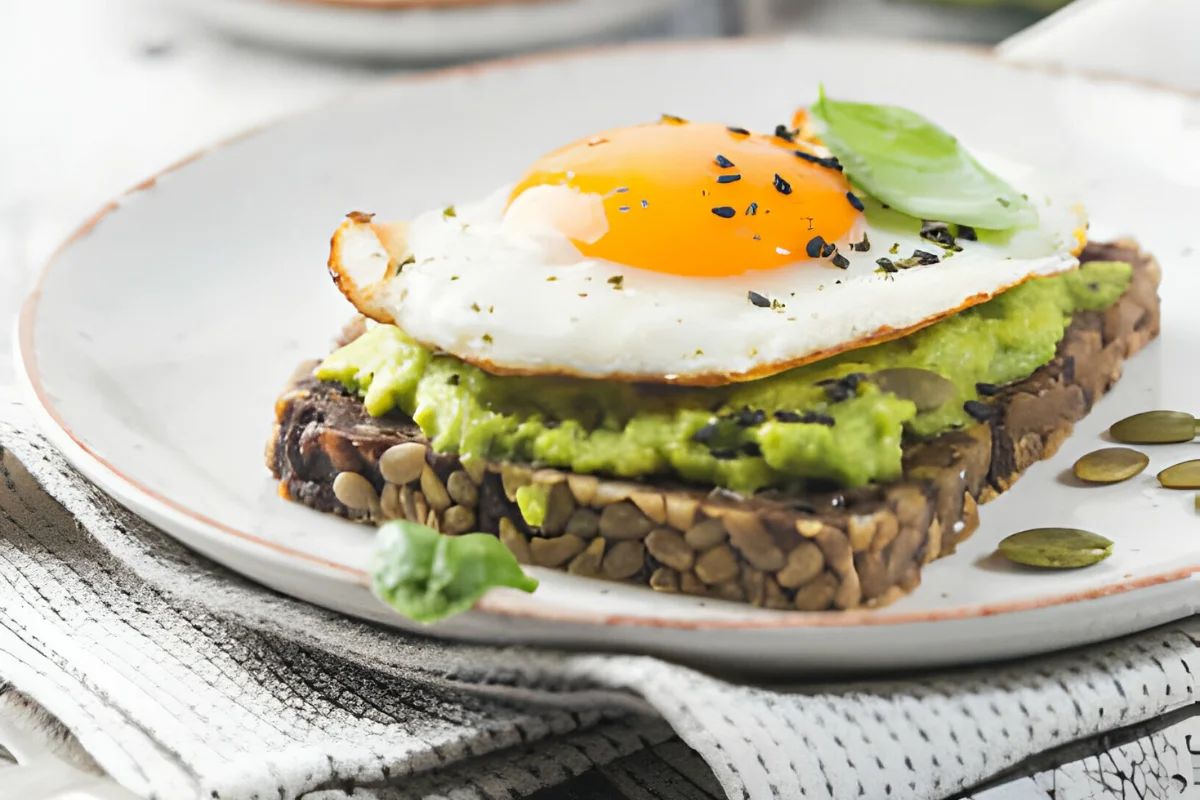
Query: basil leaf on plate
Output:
(428,576)
(904,160)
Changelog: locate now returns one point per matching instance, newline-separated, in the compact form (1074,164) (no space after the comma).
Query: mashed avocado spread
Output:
(774,431)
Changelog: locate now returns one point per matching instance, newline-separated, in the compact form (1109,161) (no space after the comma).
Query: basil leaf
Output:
(428,576)
(904,160)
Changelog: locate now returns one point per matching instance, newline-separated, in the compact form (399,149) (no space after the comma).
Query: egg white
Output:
(512,294)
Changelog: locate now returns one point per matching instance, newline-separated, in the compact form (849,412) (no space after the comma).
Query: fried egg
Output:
(687,253)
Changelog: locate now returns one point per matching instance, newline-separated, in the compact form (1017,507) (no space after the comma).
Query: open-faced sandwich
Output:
(773,368)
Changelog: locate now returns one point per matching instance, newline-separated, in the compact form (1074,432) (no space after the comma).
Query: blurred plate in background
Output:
(977,21)
(439,30)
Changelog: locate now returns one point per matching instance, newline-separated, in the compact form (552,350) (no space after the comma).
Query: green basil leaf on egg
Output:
(909,163)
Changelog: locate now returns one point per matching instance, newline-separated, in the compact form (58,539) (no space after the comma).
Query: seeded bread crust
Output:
(839,550)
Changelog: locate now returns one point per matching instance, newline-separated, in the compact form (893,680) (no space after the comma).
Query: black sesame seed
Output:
(815,247)
(706,433)
(725,212)
(828,163)
(723,162)
(840,261)
(863,246)
(752,449)
(782,186)
(724,454)
(968,233)
(987,389)
(738,131)
(938,233)
(981,412)
(837,392)
(746,417)
(645,204)
(758,300)
(924,258)
(782,132)
(886,265)
(752,209)
(854,201)
(623,208)
(813,418)
(854,379)
(728,178)
(787,416)
(828,250)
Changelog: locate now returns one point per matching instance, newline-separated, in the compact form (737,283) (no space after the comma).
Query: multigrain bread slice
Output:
(846,549)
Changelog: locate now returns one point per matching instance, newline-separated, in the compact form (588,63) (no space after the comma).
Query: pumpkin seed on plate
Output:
(1056,548)
(925,388)
(1111,465)
(1185,475)
(1155,427)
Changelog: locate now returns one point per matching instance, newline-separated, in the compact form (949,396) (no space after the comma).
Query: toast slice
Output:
(844,549)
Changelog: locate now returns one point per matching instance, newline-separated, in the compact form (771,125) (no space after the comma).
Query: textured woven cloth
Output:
(182,680)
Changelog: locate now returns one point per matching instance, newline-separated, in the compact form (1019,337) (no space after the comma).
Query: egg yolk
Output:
(697,199)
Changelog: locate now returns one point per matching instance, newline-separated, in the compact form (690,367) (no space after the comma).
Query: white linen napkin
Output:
(183,680)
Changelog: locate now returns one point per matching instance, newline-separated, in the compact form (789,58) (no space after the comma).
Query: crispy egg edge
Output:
(390,248)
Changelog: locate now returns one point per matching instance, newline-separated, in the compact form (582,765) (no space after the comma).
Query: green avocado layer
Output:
(639,430)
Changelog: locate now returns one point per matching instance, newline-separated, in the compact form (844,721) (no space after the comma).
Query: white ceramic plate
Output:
(425,30)
(163,331)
